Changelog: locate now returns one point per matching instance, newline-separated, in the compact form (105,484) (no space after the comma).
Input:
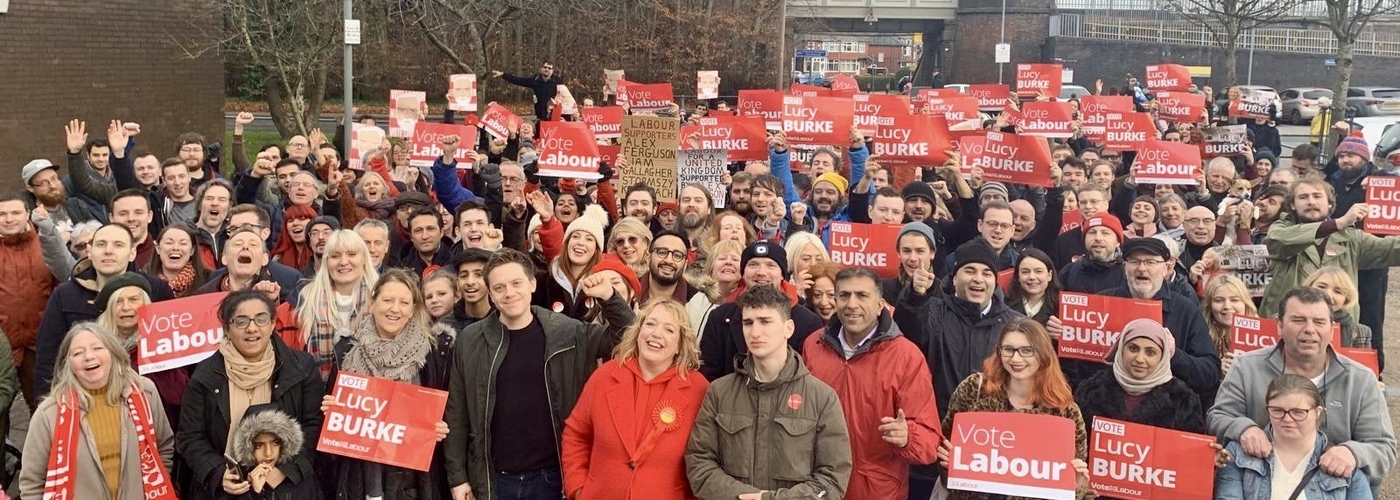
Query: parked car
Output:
(1222,98)
(1300,104)
(1382,133)
(1068,91)
(960,87)
(1373,101)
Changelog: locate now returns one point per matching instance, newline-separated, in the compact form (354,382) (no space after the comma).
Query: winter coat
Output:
(1247,477)
(1089,275)
(25,285)
(89,482)
(886,374)
(787,436)
(603,434)
(267,419)
(723,337)
(953,334)
(287,279)
(1171,405)
(408,257)
(297,390)
(1356,409)
(544,89)
(1294,255)
(1196,361)
(573,348)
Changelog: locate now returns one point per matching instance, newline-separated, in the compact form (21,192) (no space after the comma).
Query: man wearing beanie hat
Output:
(827,203)
(763,263)
(917,247)
(1101,267)
(992,191)
(318,232)
(918,201)
(1354,166)
(957,326)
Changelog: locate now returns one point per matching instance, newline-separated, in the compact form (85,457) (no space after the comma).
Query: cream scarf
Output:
(249,383)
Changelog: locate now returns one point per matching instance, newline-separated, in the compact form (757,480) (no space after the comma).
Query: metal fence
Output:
(1190,33)
(1160,8)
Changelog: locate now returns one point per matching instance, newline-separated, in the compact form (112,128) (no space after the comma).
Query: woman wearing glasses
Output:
(1291,471)
(631,241)
(252,366)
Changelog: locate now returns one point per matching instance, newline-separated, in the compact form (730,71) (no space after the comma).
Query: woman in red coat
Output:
(626,436)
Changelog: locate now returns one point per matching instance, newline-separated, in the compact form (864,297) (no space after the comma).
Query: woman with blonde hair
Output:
(630,240)
(1341,289)
(718,278)
(803,250)
(328,304)
(627,434)
(1225,296)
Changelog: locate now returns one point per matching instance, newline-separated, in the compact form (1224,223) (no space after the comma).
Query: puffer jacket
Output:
(1171,405)
(573,348)
(800,450)
(25,286)
(1250,478)
(267,419)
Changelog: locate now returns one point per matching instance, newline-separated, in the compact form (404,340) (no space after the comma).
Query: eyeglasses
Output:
(512,180)
(1025,351)
(242,322)
(997,225)
(297,145)
(46,182)
(191,150)
(244,227)
(662,253)
(78,247)
(1296,414)
(546,67)
(1143,262)
(630,240)
(302,184)
(1200,221)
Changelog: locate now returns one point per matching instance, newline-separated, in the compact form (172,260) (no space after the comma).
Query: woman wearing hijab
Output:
(1140,387)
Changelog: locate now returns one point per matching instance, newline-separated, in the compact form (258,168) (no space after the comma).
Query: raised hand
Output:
(542,205)
(598,287)
(76,136)
(116,136)
(449,146)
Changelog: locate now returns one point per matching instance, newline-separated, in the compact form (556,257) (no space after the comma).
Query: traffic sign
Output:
(811,53)
(1003,53)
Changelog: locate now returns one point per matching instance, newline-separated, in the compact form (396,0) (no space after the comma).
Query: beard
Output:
(664,280)
(52,199)
(692,220)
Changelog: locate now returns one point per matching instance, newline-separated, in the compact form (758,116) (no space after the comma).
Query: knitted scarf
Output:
(183,279)
(397,359)
(249,383)
(321,335)
(60,481)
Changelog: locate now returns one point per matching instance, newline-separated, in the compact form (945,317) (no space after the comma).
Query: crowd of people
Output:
(602,342)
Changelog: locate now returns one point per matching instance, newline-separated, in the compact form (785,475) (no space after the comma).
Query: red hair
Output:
(292,255)
(1050,386)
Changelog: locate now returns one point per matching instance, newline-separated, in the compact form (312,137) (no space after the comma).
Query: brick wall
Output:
(64,59)
(972,58)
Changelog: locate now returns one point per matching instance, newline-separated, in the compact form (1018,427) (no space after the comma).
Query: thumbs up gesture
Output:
(895,430)
(921,280)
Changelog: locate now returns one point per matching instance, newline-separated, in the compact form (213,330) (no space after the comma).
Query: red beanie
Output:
(610,262)
(1104,219)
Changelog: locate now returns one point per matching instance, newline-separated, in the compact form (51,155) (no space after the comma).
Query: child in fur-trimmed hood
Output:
(266,439)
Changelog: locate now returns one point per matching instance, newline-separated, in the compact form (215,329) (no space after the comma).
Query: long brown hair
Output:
(1051,388)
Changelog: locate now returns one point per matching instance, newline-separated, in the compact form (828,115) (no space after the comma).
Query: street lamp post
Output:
(350,39)
(1002,66)
(782,43)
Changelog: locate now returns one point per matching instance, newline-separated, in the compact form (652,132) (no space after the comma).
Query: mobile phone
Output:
(233,466)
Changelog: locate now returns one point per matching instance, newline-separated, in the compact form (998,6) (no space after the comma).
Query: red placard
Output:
(742,136)
(844,86)
(179,332)
(1093,323)
(765,104)
(804,90)
(1251,334)
(875,110)
(648,97)
(1168,77)
(608,153)
(1093,110)
(1224,140)
(866,245)
(930,93)
(568,149)
(969,143)
(604,121)
(956,109)
(1383,205)
(1128,131)
(1073,219)
(1014,454)
(1004,278)
(382,421)
(1141,462)
(1035,79)
(818,121)
(990,96)
(912,141)
(1047,119)
(1251,103)
(1013,116)
(498,121)
(425,148)
(1181,107)
(1003,157)
(1364,355)
(1164,162)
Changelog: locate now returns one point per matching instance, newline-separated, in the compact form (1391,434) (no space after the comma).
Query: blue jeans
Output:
(547,484)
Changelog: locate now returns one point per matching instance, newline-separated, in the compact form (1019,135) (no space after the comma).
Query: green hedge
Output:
(882,83)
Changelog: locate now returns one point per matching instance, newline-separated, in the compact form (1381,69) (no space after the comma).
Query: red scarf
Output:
(155,480)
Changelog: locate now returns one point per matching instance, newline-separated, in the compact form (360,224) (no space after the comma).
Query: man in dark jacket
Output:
(427,246)
(541,360)
(763,263)
(247,266)
(544,84)
(1101,268)
(1354,166)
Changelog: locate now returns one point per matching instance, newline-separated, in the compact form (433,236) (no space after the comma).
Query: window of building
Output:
(831,46)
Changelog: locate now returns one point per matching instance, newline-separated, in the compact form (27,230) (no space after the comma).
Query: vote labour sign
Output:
(568,149)
(383,421)
(1047,119)
(498,121)
(1163,162)
(804,90)
(875,110)
(1251,334)
(427,135)
(818,121)
(1141,462)
(1168,77)
(866,245)
(1181,107)
(742,136)
(604,121)
(1128,131)
(1035,79)
(1093,323)
(990,96)
(1004,157)
(1383,205)
(766,104)
(1093,110)
(178,332)
(844,86)
(912,141)
(1014,454)
(647,97)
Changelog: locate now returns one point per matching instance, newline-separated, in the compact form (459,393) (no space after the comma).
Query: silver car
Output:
(1300,104)
(1373,101)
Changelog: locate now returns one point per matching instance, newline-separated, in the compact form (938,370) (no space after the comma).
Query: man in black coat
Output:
(544,84)
(763,263)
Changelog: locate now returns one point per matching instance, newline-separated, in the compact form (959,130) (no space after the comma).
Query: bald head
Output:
(1023,217)
(1200,225)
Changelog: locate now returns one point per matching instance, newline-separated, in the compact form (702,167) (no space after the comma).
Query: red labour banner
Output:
(1251,103)
(1003,157)
(742,136)
(990,96)
(804,90)
(1181,107)
(844,86)
(497,121)
(1251,334)
(1013,454)
(1128,131)
(1163,162)
(568,149)
(926,94)
(875,110)
(604,121)
(1092,323)
(1383,205)
(1168,77)
(382,421)
(912,141)
(179,332)
(1035,79)
(427,135)
(1093,111)
(649,97)
(1047,119)
(957,109)
(766,104)
(1141,462)
(866,245)
(818,121)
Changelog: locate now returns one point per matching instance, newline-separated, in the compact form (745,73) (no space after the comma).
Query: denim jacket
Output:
(1250,478)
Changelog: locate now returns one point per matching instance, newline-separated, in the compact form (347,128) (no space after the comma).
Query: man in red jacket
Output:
(885,387)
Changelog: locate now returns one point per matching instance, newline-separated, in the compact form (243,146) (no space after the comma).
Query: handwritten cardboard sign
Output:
(651,145)
(382,421)
(568,150)
(425,148)
(1163,162)
(866,245)
(461,92)
(1014,454)
(704,167)
(1142,462)
(179,332)
(1093,323)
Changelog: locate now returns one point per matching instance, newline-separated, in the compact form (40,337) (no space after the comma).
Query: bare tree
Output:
(1348,19)
(291,42)
(1228,20)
